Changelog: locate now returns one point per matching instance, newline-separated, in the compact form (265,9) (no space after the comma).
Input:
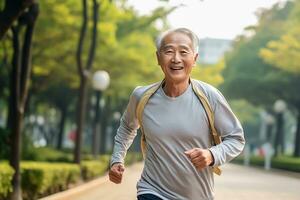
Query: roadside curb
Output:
(77,190)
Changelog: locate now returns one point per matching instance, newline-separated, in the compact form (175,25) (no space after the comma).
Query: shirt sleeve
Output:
(230,130)
(126,131)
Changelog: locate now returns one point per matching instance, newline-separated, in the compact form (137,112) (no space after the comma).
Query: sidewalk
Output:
(248,183)
(237,182)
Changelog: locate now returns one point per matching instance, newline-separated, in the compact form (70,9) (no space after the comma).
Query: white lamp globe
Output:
(101,80)
(279,106)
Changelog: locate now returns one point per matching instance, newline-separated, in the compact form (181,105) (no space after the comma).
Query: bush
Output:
(40,178)
(6,174)
(132,157)
(104,158)
(47,154)
(44,178)
(283,162)
(92,169)
(287,163)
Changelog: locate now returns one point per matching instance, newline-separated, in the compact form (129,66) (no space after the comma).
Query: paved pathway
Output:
(236,183)
(247,183)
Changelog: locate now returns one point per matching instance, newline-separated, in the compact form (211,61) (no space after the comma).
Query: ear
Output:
(157,57)
(195,58)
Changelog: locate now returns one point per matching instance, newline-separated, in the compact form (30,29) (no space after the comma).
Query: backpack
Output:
(216,139)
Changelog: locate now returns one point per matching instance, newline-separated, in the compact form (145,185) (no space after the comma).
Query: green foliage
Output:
(284,53)
(264,67)
(40,178)
(128,57)
(54,67)
(210,74)
(282,162)
(247,76)
(245,111)
(2,5)
(249,116)
(133,157)
(5,52)
(44,178)
(92,169)
(6,173)
(47,154)
(287,163)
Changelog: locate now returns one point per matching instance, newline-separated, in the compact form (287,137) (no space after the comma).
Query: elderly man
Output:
(180,154)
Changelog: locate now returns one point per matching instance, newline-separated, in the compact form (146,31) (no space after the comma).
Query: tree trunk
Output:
(12,96)
(297,138)
(84,72)
(279,143)
(80,120)
(16,154)
(21,70)
(96,125)
(61,128)
(12,10)
(269,132)
(104,122)
(14,121)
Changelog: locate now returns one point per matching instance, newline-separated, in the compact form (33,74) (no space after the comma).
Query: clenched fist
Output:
(200,158)
(116,173)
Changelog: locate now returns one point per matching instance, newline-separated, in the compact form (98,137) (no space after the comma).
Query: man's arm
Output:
(123,139)
(229,128)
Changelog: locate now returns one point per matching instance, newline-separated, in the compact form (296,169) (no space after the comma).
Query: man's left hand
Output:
(200,158)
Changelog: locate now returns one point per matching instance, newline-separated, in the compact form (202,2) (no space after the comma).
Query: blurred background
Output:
(67,69)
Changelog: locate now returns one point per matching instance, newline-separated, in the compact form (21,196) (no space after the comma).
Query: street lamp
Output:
(269,119)
(279,108)
(100,83)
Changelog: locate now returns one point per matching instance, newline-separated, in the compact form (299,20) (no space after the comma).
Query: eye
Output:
(169,51)
(184,52)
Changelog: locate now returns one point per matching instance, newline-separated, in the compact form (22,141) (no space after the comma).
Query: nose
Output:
(176,57)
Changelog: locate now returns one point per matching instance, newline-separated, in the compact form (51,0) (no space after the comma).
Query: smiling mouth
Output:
(176,68)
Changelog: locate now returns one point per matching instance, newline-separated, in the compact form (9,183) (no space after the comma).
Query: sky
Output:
(209,18)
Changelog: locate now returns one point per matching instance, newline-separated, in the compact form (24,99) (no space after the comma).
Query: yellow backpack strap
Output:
(204,101)
(140,109)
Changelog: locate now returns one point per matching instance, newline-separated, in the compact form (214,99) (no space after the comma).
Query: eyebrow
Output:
(171,46)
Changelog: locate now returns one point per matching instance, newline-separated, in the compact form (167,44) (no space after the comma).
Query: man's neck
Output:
(172,89)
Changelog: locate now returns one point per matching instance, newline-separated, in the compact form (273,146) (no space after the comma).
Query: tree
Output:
(10,13)
(244,68)
(21,68)
(128,55)
(54,75)
(84,71)
(211,74)
(247,74)
(284,54)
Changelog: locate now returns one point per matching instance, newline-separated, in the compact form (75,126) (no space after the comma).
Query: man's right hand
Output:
(116,173)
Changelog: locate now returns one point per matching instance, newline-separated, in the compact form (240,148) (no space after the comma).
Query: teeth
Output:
(176,68)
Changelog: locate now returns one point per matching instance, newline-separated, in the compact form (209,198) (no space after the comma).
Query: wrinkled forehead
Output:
(176,40)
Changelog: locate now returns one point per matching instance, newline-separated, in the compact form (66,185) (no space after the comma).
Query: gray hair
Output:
(185,31)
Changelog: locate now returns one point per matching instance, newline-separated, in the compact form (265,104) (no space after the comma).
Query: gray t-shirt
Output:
(173,126)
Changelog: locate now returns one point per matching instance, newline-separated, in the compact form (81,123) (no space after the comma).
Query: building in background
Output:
(212,50)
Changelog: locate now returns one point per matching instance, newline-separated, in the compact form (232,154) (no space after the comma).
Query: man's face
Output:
(176,57)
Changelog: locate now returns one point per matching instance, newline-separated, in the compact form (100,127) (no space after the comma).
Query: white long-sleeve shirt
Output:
(171,127)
